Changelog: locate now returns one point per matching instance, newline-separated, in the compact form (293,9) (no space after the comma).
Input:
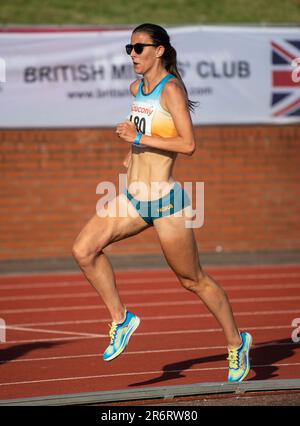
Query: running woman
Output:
(157,129)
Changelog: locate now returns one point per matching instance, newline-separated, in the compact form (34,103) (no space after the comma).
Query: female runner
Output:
(158,128)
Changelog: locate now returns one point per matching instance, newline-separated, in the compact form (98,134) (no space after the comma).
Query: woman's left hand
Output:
(127,131)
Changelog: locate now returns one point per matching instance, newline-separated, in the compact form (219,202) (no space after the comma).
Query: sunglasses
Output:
(138,47)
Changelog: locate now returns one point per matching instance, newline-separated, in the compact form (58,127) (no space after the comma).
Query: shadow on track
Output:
(17,351)
(263,357)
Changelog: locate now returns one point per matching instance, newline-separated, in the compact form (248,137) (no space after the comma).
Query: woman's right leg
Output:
(98,233)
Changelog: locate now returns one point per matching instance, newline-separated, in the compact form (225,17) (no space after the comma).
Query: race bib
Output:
(142,115)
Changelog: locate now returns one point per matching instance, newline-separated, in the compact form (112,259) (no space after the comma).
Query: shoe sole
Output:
(126,340)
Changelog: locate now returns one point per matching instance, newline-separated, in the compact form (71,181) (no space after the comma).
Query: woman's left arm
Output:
(175,99)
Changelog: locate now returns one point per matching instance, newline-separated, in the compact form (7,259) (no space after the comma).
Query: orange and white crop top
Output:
(149,117)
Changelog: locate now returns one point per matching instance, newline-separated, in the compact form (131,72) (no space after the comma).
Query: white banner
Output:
(81,78)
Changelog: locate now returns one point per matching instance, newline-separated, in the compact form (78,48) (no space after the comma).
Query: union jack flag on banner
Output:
(285,101)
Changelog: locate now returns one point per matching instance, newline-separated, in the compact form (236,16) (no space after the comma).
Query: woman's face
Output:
(144,61)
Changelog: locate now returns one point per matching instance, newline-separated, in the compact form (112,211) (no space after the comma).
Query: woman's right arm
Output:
(133,90)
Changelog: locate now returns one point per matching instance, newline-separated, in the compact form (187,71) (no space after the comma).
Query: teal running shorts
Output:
(176,200)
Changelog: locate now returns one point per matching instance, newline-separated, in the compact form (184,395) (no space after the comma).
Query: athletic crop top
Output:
(149,116)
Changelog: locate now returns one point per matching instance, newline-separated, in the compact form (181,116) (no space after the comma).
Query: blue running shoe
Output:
(239,364)
(120,335)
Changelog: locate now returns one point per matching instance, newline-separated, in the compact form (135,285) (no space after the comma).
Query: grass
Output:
(130,12)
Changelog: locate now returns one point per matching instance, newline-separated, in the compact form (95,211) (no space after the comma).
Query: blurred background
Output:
(248,159)
(165,12)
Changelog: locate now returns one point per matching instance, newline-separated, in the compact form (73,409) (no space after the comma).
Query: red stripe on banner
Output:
(59,30)
(283,51)
(284,78)
(287,109)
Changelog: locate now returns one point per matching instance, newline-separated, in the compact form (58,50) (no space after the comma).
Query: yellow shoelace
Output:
(233,358)
(113,329)
(112,332)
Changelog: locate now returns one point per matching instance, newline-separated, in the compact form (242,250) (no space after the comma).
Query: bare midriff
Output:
(149,175)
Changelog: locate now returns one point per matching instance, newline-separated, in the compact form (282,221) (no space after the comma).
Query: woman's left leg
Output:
(181,252)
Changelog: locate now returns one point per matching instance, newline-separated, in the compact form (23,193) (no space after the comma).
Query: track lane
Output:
(163,351)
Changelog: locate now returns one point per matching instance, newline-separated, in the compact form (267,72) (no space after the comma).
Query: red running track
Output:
(57,330)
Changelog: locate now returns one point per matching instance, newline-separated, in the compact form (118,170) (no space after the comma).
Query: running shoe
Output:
(119,335)
(239,364)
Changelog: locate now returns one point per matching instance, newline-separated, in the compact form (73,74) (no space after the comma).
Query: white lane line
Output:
(150,333)
(55,339)
(148,304)
(138,373)
(39,330)
(212,330)
(144,280)
(158,318)
(98,355)
(179,290)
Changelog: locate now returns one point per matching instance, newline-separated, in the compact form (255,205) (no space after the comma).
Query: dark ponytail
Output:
(160,37)
(170,63)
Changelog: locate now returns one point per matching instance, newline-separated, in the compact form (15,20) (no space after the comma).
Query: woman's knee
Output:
(195,282)
(82,253)
(85,253)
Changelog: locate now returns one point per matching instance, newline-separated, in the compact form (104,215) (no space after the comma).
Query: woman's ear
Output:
(160,50)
